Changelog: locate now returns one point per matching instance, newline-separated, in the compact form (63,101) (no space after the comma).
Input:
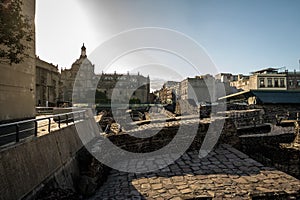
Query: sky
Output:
(238,36)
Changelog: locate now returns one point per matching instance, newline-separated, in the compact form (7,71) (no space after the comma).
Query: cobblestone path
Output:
(225,173)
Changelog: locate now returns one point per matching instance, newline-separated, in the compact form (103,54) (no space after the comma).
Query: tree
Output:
(15,30)
(100,97)
(134,101)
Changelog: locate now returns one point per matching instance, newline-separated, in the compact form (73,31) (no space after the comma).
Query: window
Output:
(291,83)
(276,82)
(261,82)
(270,82)
(298,82)
(282,82)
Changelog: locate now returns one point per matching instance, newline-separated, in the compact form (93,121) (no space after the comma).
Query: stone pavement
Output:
(225,173)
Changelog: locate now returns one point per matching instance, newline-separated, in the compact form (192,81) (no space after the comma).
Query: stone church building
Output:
(122,88)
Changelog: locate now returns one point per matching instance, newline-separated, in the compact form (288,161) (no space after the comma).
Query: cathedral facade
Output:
(80,84)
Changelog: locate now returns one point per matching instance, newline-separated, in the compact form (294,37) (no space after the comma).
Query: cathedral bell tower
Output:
(83,52)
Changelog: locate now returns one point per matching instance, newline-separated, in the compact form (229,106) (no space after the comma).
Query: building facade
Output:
(84,81)
(80,84)
(47,83)
(206,89)
(241,82)
(170,92)
(269,79)
(293,81)
(200,88)
(124,88)
(226,77)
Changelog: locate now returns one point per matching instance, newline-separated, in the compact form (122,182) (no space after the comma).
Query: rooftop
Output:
(268,96)
(266,70)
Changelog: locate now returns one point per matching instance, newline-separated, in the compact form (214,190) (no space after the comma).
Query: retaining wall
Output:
(25,166)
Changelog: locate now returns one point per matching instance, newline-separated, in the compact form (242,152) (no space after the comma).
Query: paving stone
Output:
(263,189)
(186,191)
(177,178)
(252,179)
(156,180)
(179,183)
(143,180)
(166,181)
(174,191)
(146,186)
(180,187)
(168,187)
(177,198)
(166,196)
(157,186)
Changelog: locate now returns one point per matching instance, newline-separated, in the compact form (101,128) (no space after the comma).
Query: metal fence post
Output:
(67,119)
(49,125)
(58,121)
(17,133)
(73,118)
(35,128)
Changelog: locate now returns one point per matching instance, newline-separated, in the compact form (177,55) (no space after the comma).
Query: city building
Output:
(101,88)
(47,83)
(226,77)
(268,79)
(124,88)
(206,89)
(240,83)
(17,81)
(85,80)
(273,102)
(200,88)
(169,93)
(293,80)
(153,98)
(222,83)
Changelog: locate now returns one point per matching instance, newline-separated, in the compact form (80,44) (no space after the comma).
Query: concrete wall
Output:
(17,82)
(25,166)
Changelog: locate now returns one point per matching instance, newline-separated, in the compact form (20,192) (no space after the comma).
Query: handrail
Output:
(60,119)
(44,118)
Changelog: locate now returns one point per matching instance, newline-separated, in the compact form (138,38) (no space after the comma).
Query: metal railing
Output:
(288,117)
(32,126)
(44,110)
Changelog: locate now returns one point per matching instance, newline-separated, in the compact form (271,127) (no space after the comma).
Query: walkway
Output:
(225,174)
(43,124)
